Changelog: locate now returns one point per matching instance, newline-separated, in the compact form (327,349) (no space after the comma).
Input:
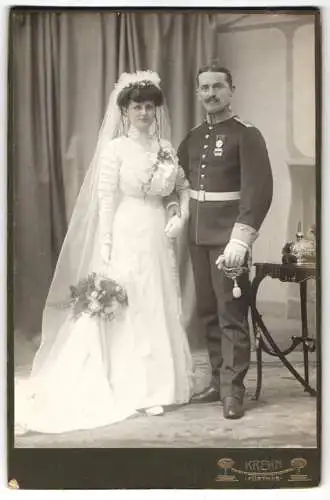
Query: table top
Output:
(286,272)
(310,266)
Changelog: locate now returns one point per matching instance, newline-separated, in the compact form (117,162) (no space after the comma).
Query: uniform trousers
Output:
(225,319)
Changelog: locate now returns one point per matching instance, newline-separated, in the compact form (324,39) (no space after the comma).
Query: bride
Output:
(90,370)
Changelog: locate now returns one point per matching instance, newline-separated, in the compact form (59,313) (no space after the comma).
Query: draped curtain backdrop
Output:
(63,67)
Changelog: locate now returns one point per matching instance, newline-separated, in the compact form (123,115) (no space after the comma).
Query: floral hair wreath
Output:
(141,78)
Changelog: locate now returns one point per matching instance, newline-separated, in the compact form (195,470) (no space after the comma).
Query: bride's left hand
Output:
(174,226)
(106,252)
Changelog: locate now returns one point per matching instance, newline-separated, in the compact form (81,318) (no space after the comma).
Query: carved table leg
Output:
(257,335)
(263,336)
(304,326)
(277,352)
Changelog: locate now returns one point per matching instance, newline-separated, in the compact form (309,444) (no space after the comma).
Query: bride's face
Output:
(141,114)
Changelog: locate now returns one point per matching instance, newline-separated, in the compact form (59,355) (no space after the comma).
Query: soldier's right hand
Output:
(235,253)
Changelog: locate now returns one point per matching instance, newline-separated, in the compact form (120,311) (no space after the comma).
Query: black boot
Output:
(208,395)
(232,408)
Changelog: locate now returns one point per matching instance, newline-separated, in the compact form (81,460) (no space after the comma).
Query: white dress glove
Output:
(173,209)
(235,253)
(174,226)
(106,252)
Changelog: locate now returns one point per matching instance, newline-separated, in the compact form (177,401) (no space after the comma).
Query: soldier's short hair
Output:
(216,67)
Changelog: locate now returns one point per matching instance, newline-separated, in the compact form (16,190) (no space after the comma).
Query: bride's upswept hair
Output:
(140,92)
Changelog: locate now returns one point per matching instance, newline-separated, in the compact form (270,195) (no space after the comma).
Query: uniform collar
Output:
(214,121)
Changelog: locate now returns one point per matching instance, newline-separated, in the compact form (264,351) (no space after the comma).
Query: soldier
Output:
(226,162)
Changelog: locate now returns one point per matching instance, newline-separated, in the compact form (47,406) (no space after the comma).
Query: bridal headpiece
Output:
(140,78)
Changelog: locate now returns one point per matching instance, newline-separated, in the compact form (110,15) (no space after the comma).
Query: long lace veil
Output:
(82,240)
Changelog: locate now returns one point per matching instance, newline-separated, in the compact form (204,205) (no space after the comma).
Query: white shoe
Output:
(155,411)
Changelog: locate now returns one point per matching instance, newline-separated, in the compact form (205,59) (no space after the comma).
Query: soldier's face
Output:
(214,91)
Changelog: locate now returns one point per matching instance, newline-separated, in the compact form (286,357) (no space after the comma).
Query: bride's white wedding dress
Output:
(103,372)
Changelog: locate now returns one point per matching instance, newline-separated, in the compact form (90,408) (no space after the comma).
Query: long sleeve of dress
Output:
(180,196)
(108,185)
(182,188)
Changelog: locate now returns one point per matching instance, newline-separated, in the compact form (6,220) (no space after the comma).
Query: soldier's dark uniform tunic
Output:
(229,158)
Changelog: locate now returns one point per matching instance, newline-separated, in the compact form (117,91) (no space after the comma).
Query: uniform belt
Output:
(207,196)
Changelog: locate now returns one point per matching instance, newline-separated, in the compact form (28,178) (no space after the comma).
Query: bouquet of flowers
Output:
(164,155)
(96,295)
(162,175)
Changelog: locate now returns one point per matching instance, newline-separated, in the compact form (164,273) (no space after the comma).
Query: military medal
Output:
(219,141)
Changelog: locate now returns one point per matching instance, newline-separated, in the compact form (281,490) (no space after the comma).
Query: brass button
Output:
(203,166)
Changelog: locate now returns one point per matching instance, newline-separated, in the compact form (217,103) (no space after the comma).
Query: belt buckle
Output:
(201,195)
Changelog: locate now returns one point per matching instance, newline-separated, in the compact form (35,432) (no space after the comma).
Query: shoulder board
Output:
(243,122)
(195,127)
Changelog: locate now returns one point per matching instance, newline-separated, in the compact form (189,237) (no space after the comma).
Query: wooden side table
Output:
(299,274)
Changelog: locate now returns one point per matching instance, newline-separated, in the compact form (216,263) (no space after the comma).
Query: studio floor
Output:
(285,415)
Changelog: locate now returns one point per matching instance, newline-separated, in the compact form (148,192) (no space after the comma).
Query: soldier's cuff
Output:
(244,233)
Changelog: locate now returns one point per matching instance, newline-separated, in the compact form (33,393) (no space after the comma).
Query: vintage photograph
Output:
(164,170)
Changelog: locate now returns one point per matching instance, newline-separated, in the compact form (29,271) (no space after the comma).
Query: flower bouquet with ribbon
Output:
(97,296)
(163,172)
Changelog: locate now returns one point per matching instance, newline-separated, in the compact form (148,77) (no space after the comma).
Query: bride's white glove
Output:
(106,252)
(174,226)
(172,209)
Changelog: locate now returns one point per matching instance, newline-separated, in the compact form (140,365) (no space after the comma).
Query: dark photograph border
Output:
(171,468)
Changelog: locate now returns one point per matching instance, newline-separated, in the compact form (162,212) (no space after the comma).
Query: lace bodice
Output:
(127,166)
(127,170)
